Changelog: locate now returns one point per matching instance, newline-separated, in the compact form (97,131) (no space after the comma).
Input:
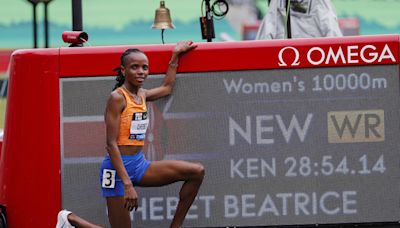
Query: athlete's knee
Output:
(199,171)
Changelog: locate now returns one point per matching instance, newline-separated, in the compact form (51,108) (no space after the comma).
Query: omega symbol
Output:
(295,62)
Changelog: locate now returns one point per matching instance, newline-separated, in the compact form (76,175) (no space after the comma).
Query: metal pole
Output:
(208,21)
(288,25)
(46,26)
(34,25)
(77,15)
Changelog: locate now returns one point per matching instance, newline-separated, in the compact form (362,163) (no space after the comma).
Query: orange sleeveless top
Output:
(134,121)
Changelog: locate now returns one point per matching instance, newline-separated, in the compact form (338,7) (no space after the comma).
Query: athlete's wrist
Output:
(174,61)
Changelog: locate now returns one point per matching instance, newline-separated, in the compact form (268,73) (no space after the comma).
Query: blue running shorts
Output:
(111,184)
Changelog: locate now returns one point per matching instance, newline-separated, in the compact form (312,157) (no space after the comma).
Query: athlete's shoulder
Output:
(116,96)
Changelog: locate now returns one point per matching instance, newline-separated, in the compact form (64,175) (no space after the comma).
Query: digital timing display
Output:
(280,147)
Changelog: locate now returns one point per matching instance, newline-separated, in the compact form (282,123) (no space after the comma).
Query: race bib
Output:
(108,180)
(139,125)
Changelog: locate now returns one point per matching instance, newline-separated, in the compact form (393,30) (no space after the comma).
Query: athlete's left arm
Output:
(169,79)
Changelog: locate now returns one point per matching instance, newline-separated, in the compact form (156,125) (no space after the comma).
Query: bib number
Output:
(108,178)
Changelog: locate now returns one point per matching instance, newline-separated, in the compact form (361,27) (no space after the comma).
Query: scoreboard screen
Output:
(280,147)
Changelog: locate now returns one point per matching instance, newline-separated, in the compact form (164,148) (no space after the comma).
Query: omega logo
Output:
(295,62)
(332,55)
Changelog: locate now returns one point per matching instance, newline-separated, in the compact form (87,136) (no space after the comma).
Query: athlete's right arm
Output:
(115,104)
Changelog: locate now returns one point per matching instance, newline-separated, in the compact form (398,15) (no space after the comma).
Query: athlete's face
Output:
(136,68)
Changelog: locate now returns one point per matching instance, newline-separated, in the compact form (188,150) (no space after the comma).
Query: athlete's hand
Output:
(130,197)
(184,46)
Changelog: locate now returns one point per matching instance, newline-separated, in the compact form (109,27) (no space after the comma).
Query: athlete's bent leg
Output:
(162,173)
(79,222)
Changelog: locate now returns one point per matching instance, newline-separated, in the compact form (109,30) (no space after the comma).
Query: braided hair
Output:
(120,77)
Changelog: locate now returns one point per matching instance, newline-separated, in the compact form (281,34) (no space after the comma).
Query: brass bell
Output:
(162,19)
